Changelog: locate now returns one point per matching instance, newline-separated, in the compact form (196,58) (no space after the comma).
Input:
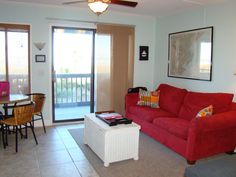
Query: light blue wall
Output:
(37,17)
(222,18)
(149,31)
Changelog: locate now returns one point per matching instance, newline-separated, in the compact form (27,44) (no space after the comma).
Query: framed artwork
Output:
(143,52)
(190,54)
(40,58)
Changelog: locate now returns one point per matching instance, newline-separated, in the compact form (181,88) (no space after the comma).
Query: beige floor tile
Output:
(39,130)
(33,172)
(85,169)
(23,144)
(10,157)
(70,144)
(76,154)
(56,155)
(63,170)
(53,136)
(46,158)
(72,126)
(48,146)
(65,135)
(19,164)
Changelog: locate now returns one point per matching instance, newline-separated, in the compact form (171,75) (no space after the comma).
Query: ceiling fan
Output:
(100,6)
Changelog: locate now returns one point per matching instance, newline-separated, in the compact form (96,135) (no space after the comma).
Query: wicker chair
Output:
(22,116)
(1,118)
(38,99)
(1,115)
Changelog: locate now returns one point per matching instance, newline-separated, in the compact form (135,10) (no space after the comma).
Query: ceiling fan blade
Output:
(73,2)
(124,3)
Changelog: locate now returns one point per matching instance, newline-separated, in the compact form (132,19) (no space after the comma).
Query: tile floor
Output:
(56,155)
(75,112)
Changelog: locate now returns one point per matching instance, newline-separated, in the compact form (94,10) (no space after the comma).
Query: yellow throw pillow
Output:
(208,111)
(148,98)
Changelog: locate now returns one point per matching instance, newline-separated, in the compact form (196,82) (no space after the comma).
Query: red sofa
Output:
(174,123)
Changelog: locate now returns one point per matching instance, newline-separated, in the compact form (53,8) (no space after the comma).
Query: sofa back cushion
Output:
(171,98)
(195,101)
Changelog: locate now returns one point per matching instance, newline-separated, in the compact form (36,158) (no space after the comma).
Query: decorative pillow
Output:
(149,98)
(208,111)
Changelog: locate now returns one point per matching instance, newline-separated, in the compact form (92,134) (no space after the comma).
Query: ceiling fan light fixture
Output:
(98,6)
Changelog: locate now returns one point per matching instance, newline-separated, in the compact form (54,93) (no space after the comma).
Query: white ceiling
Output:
(144,7)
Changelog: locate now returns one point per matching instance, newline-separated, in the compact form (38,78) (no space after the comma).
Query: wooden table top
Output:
(14,98)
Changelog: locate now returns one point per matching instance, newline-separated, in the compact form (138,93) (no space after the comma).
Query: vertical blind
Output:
(111,95)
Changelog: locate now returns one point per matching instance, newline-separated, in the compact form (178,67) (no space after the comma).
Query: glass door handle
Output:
(54,77)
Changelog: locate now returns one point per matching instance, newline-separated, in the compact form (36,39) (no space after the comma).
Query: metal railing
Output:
(69,89)
(72,90)
(18,83)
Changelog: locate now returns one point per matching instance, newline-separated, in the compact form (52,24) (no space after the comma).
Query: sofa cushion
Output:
(195,101)
(171,98)
(176,126)
(148,113)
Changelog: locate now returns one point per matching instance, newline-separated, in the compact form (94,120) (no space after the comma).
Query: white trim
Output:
(71,23)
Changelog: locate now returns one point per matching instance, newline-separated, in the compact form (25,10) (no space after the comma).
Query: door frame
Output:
(92,101)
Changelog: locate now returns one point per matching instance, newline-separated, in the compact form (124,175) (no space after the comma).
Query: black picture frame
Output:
(143,53)
(190,54)
(40,58)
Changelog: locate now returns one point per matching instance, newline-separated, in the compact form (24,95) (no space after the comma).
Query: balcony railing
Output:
(18,83)
(72,90)
(69,89)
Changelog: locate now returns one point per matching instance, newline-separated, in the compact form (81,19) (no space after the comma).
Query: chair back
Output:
(23,113)
(39,100)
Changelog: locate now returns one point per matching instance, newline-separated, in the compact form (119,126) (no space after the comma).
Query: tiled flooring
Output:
(56,155)
(65,113)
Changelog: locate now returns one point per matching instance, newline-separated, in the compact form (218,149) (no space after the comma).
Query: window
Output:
(14,57)
(205,57)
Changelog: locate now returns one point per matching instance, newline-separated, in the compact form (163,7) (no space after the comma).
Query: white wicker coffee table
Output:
(111,143)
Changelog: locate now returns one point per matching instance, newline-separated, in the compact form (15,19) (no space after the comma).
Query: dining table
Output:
(12,99)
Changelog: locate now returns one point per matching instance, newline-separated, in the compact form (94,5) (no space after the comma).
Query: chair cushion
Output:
(148,113)
(176,126)
(171,98)
(195,101)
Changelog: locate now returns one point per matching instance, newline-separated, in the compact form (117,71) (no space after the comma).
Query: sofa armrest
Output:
(131,99)
(211,135)
(215,122)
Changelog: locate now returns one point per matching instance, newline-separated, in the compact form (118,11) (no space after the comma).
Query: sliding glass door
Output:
(103,75)
(73,78)
(85,70)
